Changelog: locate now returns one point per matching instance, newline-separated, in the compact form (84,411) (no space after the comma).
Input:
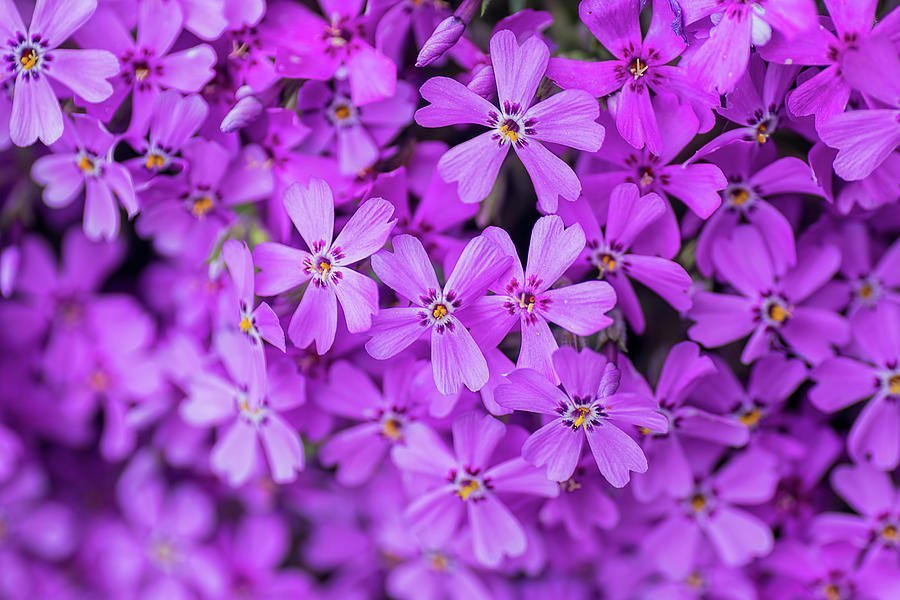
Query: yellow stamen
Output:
(155,161)
(467,489)
(832,592)
(894,385)
(645,431)
(342,112)
(324,267)
(141,73)
(778,313)
(529,305)
(646,178)
(439,311)
(164,553)
(86,164)
(761,134)
(29,59)
(246,324)
(391,429)
(751,417)
(570,485)
(739,196)
(698,502)
(866,292)
(638,68)
(202,206)
(583,412)
(512,135)
(890,533)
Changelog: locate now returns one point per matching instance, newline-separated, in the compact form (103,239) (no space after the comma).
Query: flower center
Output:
(638,68)
(141,72)
(698,502)
(437,561)
(868,290)
(29,58)
(645,178)
(88,165)
(342,113)
(253,415)
(510,130)
(155,161)
(570,485)
(201,206)
(695,581)
(163,553)
(775,311)
(526,302)
(890,533)
(891,384)
(751,417)
(99,381)
(832,592)
(581,413)
(246,324)
(738,196)
(392,424)
(469,486)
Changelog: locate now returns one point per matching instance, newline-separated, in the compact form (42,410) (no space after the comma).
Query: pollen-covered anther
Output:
(246,324)
(751,417)
(28,59)
(779,313)
(698,502)
(738,196)
(893,385)
(201,206)
(467,488)
(439,311)
(142,72)
(392,429)
(638,68)
(510,129)
(99,381)
(87,165)
(581,413)
(342,112)
(526,302)
(762,134)
(890,533)
(155,161)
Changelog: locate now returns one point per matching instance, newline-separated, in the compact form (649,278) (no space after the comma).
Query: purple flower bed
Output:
(282,317)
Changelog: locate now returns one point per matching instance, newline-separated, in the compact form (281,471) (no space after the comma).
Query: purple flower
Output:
(175,119)
(771,304)
(710,510)
(463,480)
(721,60)
(753,175)
(247,415)
(32,58)
(526,297)
(826,93)
(455,357)
(253,325)
(876,527)
(638,68)
(186,215)
(82,159)
(669,469)
(313,48)
(629,216)
(352,133)
(582,506)
(842,381)
(590,402)
(327,264)
(359,450)
(567,118)
(147,66)
(697,185)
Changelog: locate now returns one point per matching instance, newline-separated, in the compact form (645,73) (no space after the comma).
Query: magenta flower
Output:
(463,480)
(455,357)
(609,251)
(359,450)
(32,57)
(525,296)
(252,325)
(754,175)
(313,48)
(842,381)
(712,509)
(147,66)
(638,68)
(326,266)
(590,402)
(827,92)
(567,118)
(83,160)
(247,415)
(721,60)
(771,304)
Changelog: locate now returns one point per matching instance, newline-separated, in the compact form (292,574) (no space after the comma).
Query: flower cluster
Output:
(469,299)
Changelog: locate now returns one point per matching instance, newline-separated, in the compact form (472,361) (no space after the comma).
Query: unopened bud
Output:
(444,37)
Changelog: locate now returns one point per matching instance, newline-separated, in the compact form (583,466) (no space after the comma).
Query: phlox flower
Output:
(589,402)
(327,264)
(463,480)
(33,58)
(525,297)
(567,118)
(82,159)
(455,357)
